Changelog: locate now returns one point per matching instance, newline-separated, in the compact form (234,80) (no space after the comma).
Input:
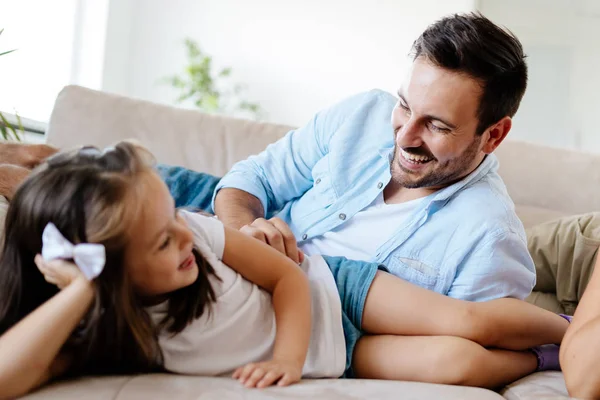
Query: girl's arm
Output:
(288,285)
(580,349)
(30,350)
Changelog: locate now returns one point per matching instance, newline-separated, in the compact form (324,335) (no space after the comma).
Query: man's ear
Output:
(495,134)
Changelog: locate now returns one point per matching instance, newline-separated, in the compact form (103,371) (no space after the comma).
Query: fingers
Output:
(276,234)
(272,234)
(269,378)
(286,380)
(261,375)
(254,232)
(289,240)
(46,270)
(256,376)
(57,272)
(244,373)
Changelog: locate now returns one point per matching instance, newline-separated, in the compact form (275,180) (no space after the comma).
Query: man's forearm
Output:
(236,208)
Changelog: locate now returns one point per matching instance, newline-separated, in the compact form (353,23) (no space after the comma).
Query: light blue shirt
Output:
(464,241)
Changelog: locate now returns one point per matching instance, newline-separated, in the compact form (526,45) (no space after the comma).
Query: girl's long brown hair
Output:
(90,196)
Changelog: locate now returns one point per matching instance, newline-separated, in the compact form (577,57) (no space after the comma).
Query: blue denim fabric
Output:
(189,188)
(353,280)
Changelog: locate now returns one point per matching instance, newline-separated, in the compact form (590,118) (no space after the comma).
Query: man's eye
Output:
(438,129)
(404,107)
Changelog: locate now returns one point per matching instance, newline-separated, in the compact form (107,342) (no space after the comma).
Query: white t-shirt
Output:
(240,327)
(361,236)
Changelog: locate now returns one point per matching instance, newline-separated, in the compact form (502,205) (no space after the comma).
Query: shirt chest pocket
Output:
(414,271)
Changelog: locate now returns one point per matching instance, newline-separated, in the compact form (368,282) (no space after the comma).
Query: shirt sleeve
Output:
(208,232)
(499,267)
(283,171)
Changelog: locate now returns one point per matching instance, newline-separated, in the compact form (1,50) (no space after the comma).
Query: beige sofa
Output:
(544,183)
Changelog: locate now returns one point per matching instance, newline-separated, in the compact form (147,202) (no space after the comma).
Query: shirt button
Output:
(342,216)
(379,185)
(318,181)
(304,236)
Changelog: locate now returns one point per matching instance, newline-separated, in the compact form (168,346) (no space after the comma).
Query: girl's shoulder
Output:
(209,232)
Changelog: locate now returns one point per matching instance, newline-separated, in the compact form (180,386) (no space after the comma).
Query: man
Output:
(421,194)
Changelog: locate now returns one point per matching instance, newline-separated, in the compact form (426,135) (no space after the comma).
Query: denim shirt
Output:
(464,241)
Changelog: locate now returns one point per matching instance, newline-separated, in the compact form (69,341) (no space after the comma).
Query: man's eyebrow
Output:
(431,117)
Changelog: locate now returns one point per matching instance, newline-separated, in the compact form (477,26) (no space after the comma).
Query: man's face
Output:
(435,122)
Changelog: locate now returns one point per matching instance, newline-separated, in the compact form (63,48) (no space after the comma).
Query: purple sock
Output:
(569,318)
(547,357)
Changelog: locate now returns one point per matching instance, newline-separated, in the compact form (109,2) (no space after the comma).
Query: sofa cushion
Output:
(550,178)
(539,386)
(164,386)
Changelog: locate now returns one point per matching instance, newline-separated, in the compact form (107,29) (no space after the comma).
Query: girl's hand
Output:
(59,272)
(260,375)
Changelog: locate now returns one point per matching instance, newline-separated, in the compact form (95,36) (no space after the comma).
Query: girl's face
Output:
(159,256)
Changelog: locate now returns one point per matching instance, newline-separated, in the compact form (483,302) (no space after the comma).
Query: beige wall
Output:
(561,105)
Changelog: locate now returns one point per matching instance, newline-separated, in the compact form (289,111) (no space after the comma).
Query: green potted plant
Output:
(6,128)
(210,92)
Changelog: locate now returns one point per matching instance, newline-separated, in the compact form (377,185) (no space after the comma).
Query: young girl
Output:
(101,274)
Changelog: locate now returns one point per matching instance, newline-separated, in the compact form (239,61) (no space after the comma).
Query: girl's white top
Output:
(240,327)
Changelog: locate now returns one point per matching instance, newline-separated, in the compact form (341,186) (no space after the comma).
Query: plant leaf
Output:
(7,127)
(21,129)
(7,52)
(4,132)
(225,72)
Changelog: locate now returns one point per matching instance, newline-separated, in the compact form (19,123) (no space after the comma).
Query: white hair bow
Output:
(89,257)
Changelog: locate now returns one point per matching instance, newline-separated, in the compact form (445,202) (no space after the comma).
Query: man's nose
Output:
(409,134)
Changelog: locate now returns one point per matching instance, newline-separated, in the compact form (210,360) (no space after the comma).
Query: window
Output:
(31,77)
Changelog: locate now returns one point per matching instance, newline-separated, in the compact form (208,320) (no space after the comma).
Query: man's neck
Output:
(396,194)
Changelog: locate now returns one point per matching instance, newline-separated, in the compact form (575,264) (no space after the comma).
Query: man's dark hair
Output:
(474,45)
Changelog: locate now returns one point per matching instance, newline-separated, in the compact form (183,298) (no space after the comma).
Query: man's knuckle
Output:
(273,235)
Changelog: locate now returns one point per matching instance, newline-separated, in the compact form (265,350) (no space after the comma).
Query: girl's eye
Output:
(165,244)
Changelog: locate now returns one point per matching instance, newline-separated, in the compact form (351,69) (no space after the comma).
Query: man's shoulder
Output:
(373,96)
(488,206)
(362,104)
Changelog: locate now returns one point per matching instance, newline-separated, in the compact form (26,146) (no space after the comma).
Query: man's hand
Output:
(276,234)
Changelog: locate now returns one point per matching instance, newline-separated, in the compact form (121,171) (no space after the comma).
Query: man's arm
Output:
(283,171)
(499,266)
(580,349)
(237,208)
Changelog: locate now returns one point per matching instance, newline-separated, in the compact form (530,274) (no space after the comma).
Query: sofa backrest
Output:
(544,182)
(200,141)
